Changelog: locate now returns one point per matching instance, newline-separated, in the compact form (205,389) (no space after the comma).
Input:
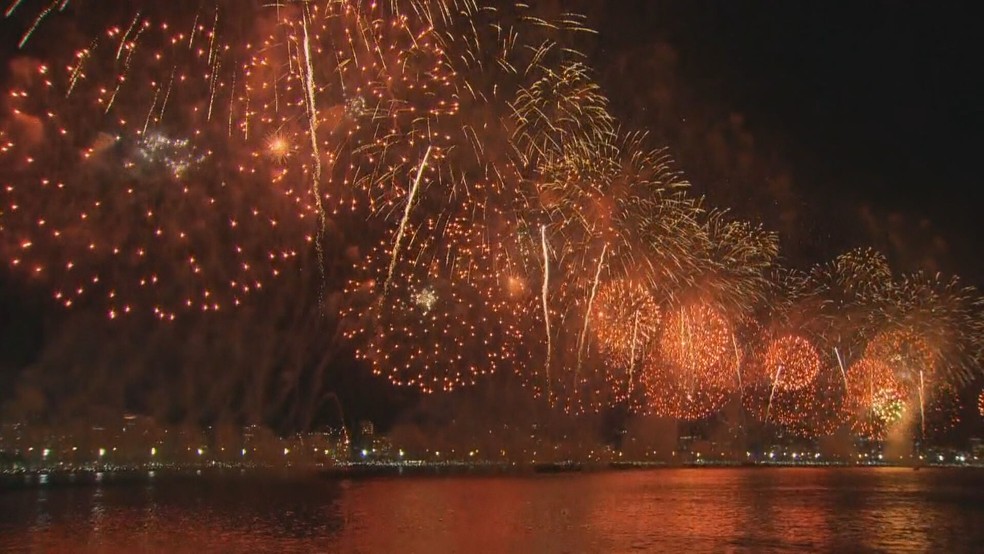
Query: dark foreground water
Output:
(665,510)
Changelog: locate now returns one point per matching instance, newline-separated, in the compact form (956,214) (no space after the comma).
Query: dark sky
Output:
(837,124)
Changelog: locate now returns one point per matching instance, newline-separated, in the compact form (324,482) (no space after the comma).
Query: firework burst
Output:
(437,327)
(876,399)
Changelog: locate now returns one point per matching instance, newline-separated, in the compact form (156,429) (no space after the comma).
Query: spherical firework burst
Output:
(694,367)
(938,328)
(440,322)
(849,292)
(623,322)
(907,353)
(625,318)
(791,363)
(699,347)
(860,276)
(727,265)
(130,220)
(876,400)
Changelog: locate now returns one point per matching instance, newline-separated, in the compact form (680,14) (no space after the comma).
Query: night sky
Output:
(837,125)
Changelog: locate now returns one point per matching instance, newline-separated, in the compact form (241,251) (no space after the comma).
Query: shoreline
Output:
(374,470)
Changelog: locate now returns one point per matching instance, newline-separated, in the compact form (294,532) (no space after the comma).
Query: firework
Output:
(436,327)
(694,368)
(910,359)
(852,277)
(613,211)
(170,158)
(812,411)
(876,400)
(668,396)
(129,221)
(734,262)
(791,363)
(837,304)
(696,344)
(933,326)
(621,325)
(795,380)
(940,411)
(625,320)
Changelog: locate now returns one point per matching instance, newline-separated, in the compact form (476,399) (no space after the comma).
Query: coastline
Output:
(96,474)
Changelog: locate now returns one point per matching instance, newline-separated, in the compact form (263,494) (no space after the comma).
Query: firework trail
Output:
(546,308)
(587,312)
(840,364)
(406,216)
(312,111)
(734,342)
(772,394)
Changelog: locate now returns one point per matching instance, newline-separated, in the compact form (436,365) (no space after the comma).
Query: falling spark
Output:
(119,50)
(587,313)
(79,67)
(546,309)
(840,364)
(12,7)
(772,394)
(922,404)
(632,350)
(37,21)
(311,108)
(312,111)
(406,217)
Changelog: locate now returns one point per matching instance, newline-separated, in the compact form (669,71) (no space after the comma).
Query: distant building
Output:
(364,441)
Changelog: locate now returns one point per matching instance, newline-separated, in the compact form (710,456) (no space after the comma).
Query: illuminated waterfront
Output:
(489,275)
(737,509)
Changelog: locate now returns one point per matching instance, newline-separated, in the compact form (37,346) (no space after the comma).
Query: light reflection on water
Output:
(793,510)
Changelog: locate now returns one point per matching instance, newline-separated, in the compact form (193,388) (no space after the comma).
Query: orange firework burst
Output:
(625,318)
(668,396)
(278,147)
(130,220)
(438,324)
(876,399)
(905,352)
(698,347)
(695,367)
(811,411)
(791,363)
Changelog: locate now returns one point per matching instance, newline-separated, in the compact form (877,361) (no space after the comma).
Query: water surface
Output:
(665,510)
